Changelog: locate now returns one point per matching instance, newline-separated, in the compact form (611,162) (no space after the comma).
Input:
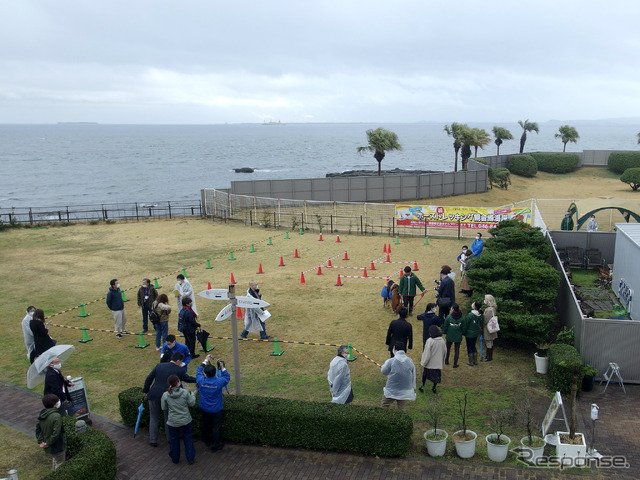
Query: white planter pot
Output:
(571,455)
(497,453)
(542,363)
(466,449)
(534,453)
(436,448)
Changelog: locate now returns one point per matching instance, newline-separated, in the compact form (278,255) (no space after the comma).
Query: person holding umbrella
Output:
(55,383)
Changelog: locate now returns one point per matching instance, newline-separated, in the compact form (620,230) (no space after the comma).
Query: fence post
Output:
(251,217)
(274,219)
(104,214)
(331,220)
(279,213)
(458,229)
(137,213)
(67,214)
(9,218)
(59,216)
(361,233)
(200,206)
(393,226)
(302,217)
(169,204)
(30,216)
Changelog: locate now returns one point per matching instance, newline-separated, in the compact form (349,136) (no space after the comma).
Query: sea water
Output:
(87,164)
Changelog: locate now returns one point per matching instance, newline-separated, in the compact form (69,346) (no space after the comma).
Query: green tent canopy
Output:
(627,207)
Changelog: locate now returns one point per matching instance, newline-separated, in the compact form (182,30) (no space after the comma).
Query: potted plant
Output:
(590,374)
(435,438)
(542,360)
(571,447)
(498,443)
(465,440)
(532,446)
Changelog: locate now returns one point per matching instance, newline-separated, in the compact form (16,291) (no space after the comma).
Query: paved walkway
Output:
(617,433)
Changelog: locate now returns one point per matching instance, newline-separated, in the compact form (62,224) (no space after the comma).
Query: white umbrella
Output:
(37,370)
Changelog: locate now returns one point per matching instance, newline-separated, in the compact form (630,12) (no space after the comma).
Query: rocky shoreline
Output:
(374,173)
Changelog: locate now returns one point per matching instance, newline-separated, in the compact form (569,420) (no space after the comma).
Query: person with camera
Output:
(211,388)
(147,294)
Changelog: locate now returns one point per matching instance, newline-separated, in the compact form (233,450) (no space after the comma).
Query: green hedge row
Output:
(556,162)
(562,360)
(91,454)
(620,161)
(523,165)
(299,424)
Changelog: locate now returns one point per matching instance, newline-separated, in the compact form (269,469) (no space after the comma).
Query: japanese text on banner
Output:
(476,218)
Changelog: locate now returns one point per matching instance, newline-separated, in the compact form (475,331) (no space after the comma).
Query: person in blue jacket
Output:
(477,245)
(172,346)
(211,387)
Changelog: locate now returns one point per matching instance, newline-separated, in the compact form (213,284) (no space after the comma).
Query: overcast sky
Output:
(211,61)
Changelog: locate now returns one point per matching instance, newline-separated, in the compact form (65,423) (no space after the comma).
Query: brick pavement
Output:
(137,460)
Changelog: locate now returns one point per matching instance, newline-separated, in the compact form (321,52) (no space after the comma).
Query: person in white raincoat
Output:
(186,290)
(339,377)
(401,379)
(252,322)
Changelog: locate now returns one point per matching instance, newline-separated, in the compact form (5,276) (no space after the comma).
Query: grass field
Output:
(59,268)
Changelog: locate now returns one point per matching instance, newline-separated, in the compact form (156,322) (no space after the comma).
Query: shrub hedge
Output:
(523,165)
(562,360)
(620,161)
(91,454)
(299,424)
(632,177)
(556,162)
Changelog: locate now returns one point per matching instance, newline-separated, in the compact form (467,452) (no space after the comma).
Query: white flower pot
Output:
(466,449)
(497,453)
(571,455)
(436,448)
(542,364)
(534,452)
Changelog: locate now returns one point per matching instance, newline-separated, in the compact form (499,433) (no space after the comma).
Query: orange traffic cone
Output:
(384,248)
(365,273)
(329,264)
(415,266)
(302,280)
(208,285)
(239,313)
(281,262)
(389,248)
(296,255)
(260,269)
(339,284)
(319,269)
(233,280)
(346,257)
(320,239)
(388,260)
(337,238)
(373,267)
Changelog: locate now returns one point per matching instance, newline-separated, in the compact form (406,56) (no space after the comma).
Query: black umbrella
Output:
(202,335)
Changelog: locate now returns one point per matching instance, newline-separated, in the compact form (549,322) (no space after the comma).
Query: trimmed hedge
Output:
(91,454)
(556,162)
(620,161)
(299,424)
(632,177)
(523,165)
(562,360)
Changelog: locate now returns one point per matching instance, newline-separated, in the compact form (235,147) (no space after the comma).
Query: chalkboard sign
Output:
(79,402)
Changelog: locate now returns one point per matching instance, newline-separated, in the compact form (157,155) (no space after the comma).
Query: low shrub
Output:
(562,360)
(632,177)
(620,161)
(91,454)
(299,424)
(556,162)
(500,176)
(523,165)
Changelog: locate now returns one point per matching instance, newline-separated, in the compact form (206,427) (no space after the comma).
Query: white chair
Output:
(613,370)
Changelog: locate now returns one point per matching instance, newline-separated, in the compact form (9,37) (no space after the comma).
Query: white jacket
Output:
(339,380)
(401,377)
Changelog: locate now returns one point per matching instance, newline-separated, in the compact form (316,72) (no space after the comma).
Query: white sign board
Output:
(251,302)
(556,404)
(224,313)
(215,294)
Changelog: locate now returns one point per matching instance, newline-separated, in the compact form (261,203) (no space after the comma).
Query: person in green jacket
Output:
(176,401)
(50,430)
(407,288)
(452,328)
(471,325)
(567,222)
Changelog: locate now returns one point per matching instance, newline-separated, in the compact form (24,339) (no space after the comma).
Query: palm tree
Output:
(527,126)
(480,138)
(468,139)
(380,141)
(501,134)
(567,134)
(638,137)
(456,131)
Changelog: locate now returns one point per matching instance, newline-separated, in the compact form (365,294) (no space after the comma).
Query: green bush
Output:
(566,336)
(91,454)
(556,162)
(299,424)
(523,165)
(632,177)
(562,360)
(620,161)
(499,176)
